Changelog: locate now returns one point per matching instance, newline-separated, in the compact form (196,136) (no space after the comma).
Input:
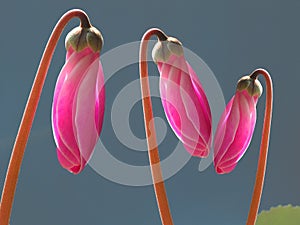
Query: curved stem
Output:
(28,115)
(262,161)
(158,182)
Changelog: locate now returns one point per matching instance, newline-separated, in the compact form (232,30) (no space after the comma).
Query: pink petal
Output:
(69,71)
(185,105)
(78,108)
(65,163)
(84,113)
(234,131)
(65,102)
(100,99)
(200,93)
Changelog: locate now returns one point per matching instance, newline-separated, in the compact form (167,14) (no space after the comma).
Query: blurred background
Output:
(232,37)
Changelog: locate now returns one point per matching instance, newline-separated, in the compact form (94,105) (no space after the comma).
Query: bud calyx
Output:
(81,37)
(252,85)
(164,49)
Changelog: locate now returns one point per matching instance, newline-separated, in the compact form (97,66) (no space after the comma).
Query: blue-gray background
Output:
(233,37)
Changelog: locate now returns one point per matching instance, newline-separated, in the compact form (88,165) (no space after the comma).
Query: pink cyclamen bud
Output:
(183,98)
(236,125)
(79,97)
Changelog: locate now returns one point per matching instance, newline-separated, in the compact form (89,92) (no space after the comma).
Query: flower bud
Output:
(183,98)
(236,126)
(79,100)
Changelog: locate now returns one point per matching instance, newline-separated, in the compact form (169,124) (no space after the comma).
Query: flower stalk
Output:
(262,161)
(158,182)
(29,113)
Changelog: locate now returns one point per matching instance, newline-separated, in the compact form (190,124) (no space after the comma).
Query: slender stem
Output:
(28,115)
(262,161)
(158,182)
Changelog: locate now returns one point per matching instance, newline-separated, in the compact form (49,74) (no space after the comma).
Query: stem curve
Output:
(158,182)
(262,161)
(29,113)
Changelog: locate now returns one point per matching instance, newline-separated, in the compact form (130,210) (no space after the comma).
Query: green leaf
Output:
(280,215)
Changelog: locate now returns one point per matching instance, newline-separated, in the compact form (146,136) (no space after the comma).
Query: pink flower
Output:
(183,98)
(236,126)
(78,108)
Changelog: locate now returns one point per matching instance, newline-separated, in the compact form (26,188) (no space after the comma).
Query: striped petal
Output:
(78,107)
(234,131)
(185,105)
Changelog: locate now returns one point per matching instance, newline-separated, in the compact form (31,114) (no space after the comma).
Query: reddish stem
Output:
(28,115)
(262,161)
(158,182)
